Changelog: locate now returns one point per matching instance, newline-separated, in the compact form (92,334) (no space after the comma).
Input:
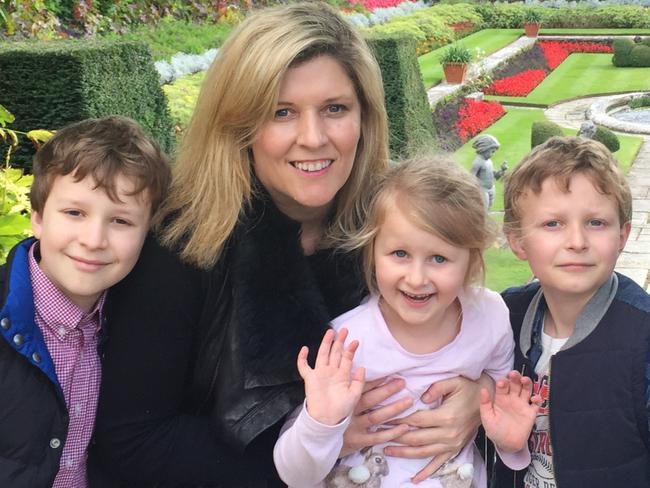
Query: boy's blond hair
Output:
(561,158)
(103,149)
(439,197)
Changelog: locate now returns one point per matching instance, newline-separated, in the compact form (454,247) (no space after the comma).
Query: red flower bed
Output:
(373,4)
(557,51)
(475,116)
(518,85)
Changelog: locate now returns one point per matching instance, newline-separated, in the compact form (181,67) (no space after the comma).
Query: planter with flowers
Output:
(532,22)
(455,61)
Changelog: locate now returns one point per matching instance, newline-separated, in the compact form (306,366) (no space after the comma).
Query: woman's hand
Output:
(331,391)
(358,434)
(442,432)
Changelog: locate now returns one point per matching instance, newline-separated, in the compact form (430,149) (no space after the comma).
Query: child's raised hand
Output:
(509,419)
(331,391)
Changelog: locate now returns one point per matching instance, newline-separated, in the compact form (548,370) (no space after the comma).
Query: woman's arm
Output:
(143,428)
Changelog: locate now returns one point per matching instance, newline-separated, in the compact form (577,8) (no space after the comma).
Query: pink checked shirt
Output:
(71,338)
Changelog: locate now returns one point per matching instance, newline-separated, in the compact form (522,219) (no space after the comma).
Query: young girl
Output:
(425,320)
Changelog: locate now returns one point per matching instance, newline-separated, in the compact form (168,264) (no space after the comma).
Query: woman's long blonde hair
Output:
(212,180)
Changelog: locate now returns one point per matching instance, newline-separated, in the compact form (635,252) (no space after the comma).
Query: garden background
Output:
(63,60)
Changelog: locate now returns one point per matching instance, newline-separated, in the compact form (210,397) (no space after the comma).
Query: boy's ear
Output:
(516,245)
(37,223)
(624,234)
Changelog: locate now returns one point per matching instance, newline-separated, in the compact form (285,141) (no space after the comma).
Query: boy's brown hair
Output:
(439,197)
(103,149)
(561,158)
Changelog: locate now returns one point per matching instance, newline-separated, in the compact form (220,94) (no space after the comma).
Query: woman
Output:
(199,371)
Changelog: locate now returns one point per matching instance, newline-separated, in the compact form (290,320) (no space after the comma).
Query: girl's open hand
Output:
(332,391)
(509,419)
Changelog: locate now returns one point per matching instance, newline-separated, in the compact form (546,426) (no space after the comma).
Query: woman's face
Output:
(304,154)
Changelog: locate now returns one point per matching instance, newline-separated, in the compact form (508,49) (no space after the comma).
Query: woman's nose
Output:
(311,130)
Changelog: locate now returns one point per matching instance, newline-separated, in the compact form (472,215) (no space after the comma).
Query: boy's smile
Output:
(88,243)
(571,240)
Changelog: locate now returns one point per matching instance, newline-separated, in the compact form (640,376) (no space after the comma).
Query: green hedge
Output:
(49,85)
(607,138)
(409,115)
(542,131)
(629,54)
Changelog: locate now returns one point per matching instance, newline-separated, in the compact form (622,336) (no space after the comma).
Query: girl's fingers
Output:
(526,387)
(337,348)
(503,387)
(303,366)
(485,397)
(322,358)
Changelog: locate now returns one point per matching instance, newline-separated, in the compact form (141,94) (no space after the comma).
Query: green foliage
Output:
(533,16)
(607,138)
(629,54)
(409,115)
(646,41)
(640,56)
(181,96)
(543,130)
(456,53)
(640,102)
(54,84)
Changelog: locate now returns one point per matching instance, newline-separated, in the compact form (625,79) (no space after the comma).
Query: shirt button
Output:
(36,357)
(55,443)
(5,323)
(18,340)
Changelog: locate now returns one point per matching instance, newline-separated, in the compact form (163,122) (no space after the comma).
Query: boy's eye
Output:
(120,221)
(399,253)
(438,259)
(73,213)
(596,223)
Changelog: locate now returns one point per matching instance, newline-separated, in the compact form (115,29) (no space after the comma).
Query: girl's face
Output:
(419,275)
(304,155)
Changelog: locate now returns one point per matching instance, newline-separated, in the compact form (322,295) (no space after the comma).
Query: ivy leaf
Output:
(6,117)
(38,136)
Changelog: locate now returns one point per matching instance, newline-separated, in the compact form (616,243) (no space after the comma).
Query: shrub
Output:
(456,53)
(543,130)
(407,106)
(532,16)
(640,56)
(607,138)
(640,102)
(622,50)
(53,84)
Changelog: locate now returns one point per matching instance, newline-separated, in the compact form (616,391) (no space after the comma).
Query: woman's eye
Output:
(282,113)
(439,259)
(399,253)
(335,108)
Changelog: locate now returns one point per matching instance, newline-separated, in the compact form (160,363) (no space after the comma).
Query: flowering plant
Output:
(555,52)
(475,116)
(518,85)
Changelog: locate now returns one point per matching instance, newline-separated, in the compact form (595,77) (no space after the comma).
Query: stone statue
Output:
(587,130)
(482,167)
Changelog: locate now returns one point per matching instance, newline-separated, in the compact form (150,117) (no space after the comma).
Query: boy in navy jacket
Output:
(581,331)
(95,186)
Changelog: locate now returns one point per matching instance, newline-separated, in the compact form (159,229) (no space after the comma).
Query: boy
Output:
(582,331)
(96,184)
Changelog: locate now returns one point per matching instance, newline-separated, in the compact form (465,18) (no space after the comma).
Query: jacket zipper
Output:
(550,437)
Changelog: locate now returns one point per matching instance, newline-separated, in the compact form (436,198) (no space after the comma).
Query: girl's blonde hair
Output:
(439,197)
(212,182)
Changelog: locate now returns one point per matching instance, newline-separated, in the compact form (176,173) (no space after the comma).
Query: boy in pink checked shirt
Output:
(96,185)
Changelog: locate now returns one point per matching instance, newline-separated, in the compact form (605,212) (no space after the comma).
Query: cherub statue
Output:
(482,167)
(587,130)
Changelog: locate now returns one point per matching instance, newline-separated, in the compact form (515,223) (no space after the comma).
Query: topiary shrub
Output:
(50,85)
(622,50)
(607,138)
(409,114)
(646,41)
(543,130)
(640,56)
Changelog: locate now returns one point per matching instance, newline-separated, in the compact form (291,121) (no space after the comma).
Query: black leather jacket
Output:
(200,366)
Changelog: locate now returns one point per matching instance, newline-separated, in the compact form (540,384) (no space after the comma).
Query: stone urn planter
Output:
(531,29)
(455,72)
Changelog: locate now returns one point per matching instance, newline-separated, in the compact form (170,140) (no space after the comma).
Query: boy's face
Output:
(570,240)
(88,242)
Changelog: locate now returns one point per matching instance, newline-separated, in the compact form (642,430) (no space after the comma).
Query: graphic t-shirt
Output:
(540,473)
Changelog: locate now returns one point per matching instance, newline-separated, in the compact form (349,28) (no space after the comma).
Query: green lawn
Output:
(581,75)
(489,40)
(504,269)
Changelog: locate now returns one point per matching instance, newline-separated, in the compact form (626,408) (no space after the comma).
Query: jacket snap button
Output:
(5,323)
(36,357)
(18,340)
(55,443)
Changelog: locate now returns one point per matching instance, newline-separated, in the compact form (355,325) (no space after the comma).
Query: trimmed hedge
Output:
(409,115)
(543,130)
(630,54)
(50,85)
(607,138)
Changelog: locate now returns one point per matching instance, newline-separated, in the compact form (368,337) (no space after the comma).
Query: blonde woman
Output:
(288,135)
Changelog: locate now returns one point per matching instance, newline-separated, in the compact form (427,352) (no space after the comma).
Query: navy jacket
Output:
(598,396)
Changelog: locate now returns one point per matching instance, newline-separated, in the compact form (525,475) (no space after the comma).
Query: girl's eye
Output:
(439,259)
(120,221)
(399,253)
